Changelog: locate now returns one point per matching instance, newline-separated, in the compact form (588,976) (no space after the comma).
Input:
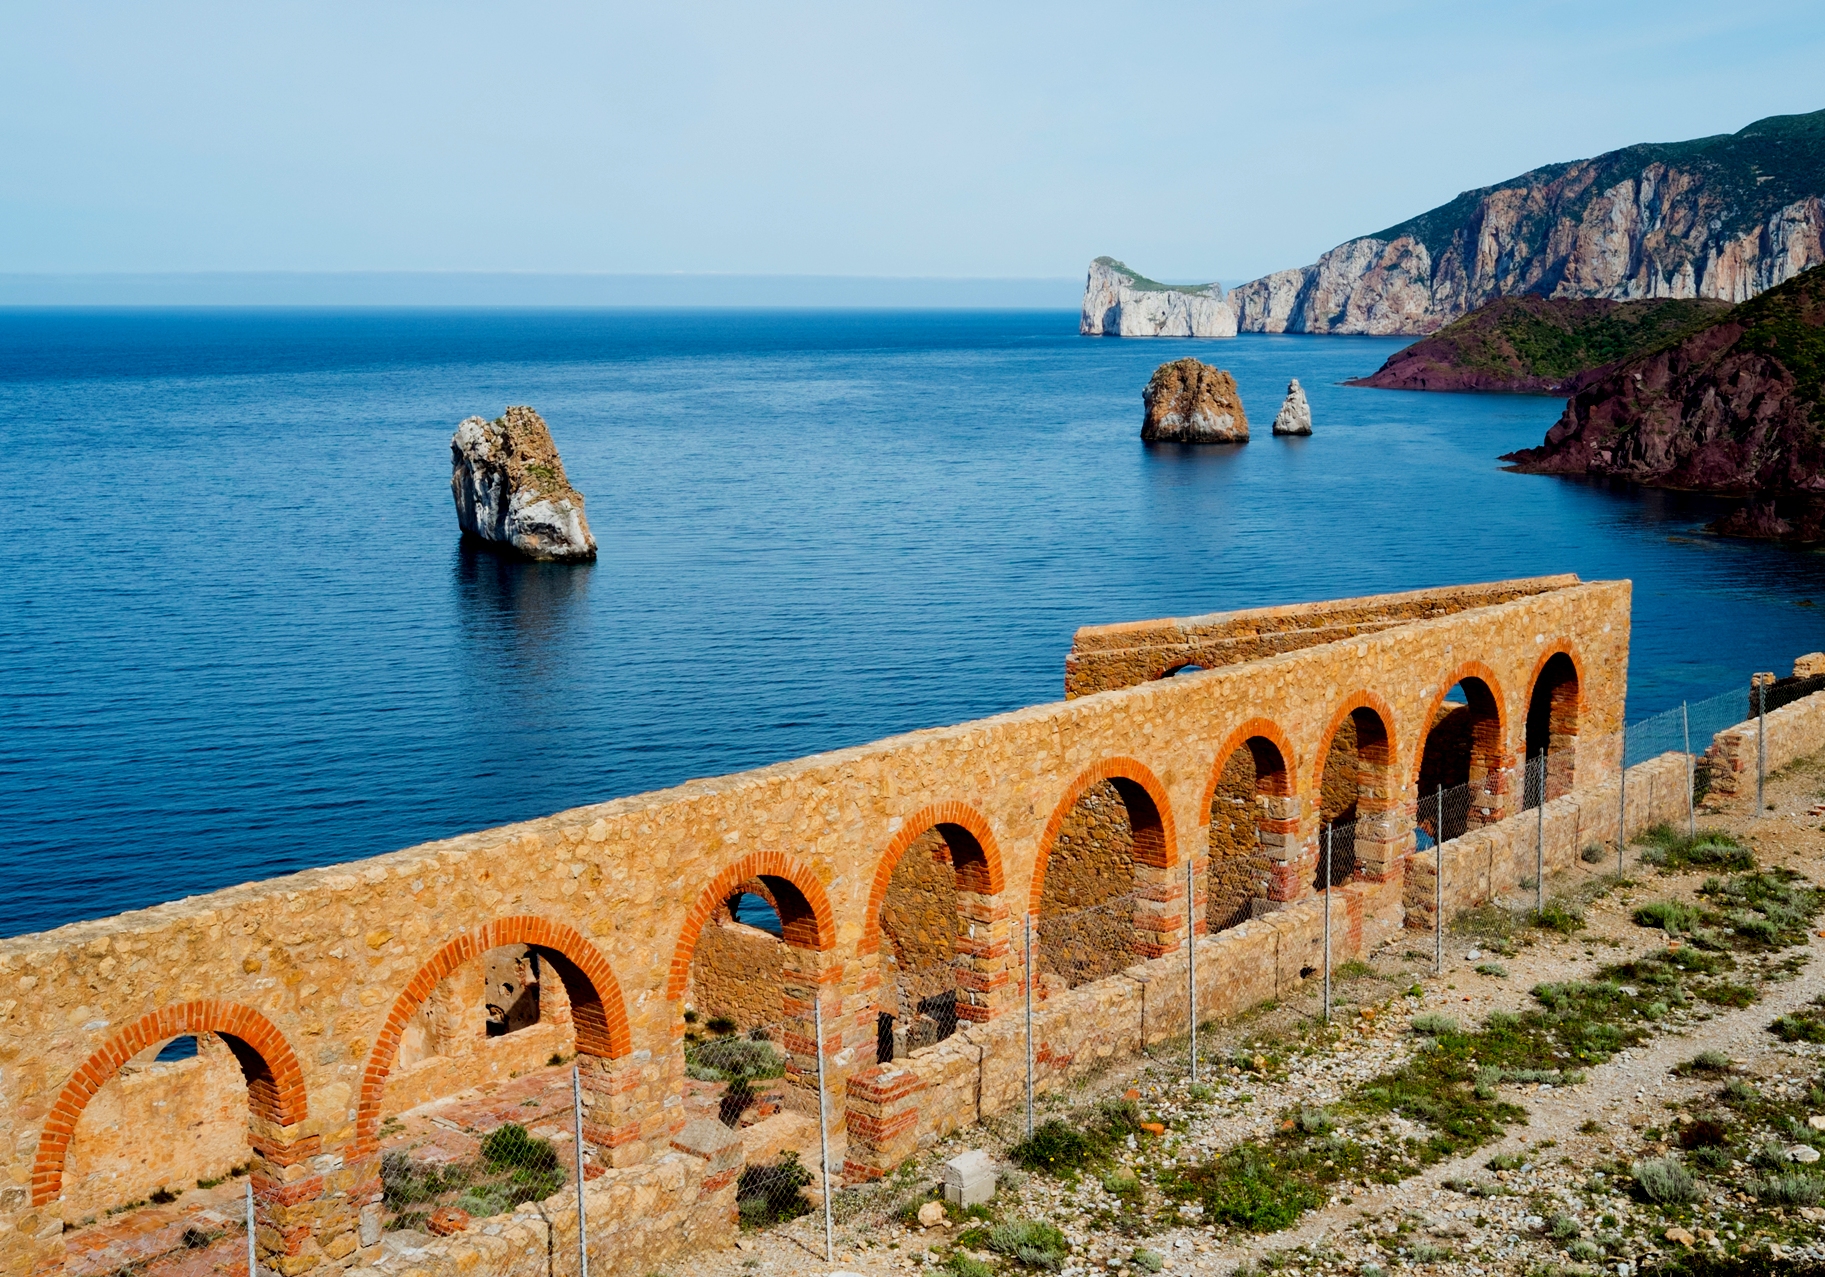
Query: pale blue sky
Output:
(1193,141)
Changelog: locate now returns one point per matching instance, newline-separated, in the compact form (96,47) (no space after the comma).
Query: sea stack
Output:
(511,490)
(1191,402)
(1295,416)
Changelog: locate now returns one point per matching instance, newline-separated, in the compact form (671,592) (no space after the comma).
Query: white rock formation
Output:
(1295,415)
(1120,303)
(510,488)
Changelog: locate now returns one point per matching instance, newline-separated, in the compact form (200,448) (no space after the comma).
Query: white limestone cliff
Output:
(1120,303)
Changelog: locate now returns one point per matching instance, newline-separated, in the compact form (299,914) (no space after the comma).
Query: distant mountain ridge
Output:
(1723,217)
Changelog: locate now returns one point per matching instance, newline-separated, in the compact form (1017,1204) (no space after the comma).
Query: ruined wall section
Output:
(1105,657)
(919,926)
(1239,870)
(737,972)
(325,954)
(1086,927)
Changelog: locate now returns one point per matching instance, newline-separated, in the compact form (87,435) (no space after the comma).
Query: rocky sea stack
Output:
(511,490)
(1191,402)
(1295,415)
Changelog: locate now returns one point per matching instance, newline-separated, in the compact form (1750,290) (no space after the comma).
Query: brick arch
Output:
(1267,730)
(275,1083)
(1360,700)
(1469,669)
(1560,646)
(597,1010)
(1156,841)
(984,877)
(815,931)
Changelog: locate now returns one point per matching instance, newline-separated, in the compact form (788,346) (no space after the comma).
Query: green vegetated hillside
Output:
(1538,344)
(1736,406)
(1141,284)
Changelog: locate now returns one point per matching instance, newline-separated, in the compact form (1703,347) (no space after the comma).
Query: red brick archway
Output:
(1469,669)
(597,1009)
(275,1083)
(1267,730)
(983,877)
(812,926)
(1156,842)
(1375,705)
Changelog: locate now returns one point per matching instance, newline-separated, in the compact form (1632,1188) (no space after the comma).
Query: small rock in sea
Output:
(1295,416)
(510,488)
(1191,402)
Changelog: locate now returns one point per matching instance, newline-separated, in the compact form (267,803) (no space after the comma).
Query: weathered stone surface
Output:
(1120,303)
(511,490)
(1295,415)
(1191,402)
(969,1179)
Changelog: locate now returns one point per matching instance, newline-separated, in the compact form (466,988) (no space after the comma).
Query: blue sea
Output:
(239,635)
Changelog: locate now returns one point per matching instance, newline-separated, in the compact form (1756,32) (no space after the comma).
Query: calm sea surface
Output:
(238,635)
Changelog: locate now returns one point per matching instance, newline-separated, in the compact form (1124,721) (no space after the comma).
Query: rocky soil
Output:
(1697,1081)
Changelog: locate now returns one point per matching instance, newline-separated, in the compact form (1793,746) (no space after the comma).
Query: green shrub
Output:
(1804,1025)
(1247,1188)
(1711,1158)
(1789,1190)
(1563,1227)
(1709,849)
(1664,1181)
(1148,1261)
(1059,1148)
(770,1194)
(511,1147)
(1585,1251)
(1670,916)
(1431,1024)
(959,1264)
(720,1024)
(1593,854)
(1034,1244)
(1556,915)
(1492,968)
(1738,1093)
(1704,1062)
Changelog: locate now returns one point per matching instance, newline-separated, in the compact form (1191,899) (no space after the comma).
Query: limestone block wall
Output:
(199,1109)
(1793,731)
(737,972)
(919,927)
(315,979)
(640,1219)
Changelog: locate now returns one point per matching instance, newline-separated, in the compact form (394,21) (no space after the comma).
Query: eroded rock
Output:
(1295,415)
(1191,402)
(510,488)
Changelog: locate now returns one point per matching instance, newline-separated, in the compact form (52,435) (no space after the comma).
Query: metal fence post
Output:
(1191,964)
(1438,855)
(1540,846)
(253,1262)
(1622,803)
(1685,731)
(823,1124)
(576,1108)
(1327,922)
(1028,921)
(1761,740)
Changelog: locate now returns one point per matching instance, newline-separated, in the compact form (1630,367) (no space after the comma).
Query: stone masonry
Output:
(318,982)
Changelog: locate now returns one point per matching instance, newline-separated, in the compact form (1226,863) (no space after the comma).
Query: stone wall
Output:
(319,976)
(737,972)
(1239,868)
(1085,928)
(919,927)
(199,1109)
(1793,731)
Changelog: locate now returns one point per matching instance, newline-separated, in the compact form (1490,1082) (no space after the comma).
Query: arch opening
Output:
(937,923)
(1462,757)
(1095,916)
(1243,819)
(1355,793)
(1552,730)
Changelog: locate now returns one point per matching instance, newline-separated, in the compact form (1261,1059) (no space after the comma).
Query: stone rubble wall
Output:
(1793,731)
(640,1219)
(322,972)
(737,973)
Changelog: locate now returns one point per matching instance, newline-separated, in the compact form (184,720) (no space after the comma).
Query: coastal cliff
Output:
(1539,345)
(1734,408)
(1119,302)
(1722,217)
